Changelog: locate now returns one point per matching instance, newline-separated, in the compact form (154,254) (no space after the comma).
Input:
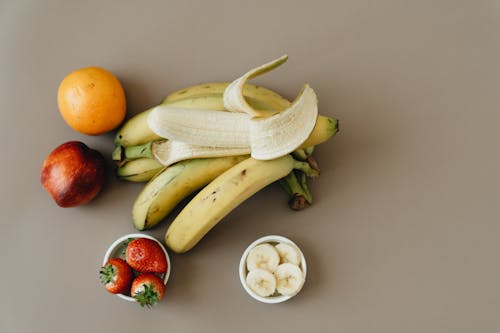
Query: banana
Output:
(288,253)
(324,128)
(224,194)
(146,150)
(207,96)
(162,193)
(196,90)
(268,138)
(262,282)
(168,152)
(143,169)
(263,256)
(259,97)
(139,170)
(289,279)
(135,131)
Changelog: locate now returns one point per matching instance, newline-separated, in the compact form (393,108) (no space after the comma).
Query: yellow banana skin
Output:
(252,92)
(139,170)
(323,130)
(164,191)
(135,131)
(206,96)
(220,197)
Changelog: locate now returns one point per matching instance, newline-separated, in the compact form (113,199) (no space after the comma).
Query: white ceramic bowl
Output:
(116,249)
(272,239)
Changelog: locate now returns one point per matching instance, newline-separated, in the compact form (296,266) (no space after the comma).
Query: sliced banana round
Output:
(288,253)
(263,256)
(261,281)
(289,279)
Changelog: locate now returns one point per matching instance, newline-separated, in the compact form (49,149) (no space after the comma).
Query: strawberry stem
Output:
(147,297)
(107,273)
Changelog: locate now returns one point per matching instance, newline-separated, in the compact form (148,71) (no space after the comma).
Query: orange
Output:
(91,100)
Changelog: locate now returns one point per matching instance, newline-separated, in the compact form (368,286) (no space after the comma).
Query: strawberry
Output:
(146,256)
(116,276)
(148,289)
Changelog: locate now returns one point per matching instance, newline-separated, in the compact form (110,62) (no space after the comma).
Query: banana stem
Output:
(303,184)
(300,154)
(309,150)
(313,163)
(306,168)
(300,197)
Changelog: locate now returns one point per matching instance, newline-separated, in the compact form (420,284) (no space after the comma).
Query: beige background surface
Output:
(403,234)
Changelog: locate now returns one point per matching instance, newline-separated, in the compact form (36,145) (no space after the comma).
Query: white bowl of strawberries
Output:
(136,268)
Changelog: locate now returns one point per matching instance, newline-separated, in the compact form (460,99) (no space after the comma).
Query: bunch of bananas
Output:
(172,172)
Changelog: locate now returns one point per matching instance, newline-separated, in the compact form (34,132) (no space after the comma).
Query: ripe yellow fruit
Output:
(91,100)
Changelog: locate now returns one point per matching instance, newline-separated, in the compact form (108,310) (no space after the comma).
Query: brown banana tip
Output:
(313,163)
(298,202)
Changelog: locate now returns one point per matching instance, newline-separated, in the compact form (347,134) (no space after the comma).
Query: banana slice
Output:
(262,282)
(263,256)
(289,279)
(288,253)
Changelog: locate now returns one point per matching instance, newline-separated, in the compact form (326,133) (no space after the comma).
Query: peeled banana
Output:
(266,138)
(206,96)
(168,151)
(268,133)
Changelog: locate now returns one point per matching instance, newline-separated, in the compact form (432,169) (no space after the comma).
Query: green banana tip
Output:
(334,123)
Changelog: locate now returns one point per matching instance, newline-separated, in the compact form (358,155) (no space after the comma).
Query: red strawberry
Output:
(116,276)
(148,289)
(146,256)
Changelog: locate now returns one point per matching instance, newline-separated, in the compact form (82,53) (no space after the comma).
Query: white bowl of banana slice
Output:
(272,269)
